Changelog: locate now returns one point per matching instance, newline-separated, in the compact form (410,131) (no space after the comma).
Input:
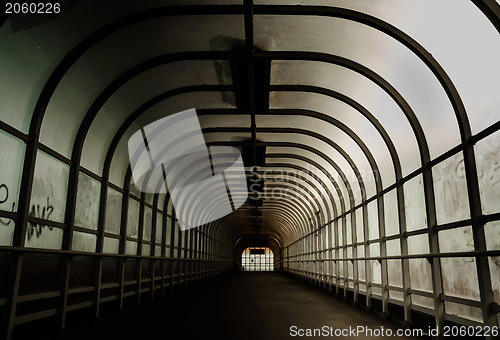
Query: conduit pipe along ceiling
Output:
(370,127)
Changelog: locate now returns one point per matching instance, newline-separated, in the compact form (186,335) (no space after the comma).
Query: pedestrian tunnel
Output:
(352,145)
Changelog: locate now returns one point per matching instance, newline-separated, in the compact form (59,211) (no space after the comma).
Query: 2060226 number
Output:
(32,8)
(471,331)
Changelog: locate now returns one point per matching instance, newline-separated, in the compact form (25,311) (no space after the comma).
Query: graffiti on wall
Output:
(35,227)
(41,212)
(4,196)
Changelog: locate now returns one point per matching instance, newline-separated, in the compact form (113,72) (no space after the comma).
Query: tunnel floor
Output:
(246,305)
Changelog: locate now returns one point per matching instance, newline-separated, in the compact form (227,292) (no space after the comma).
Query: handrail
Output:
(82,253)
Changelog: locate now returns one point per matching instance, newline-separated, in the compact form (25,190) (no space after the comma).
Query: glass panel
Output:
(415,204)
(361,267)
(84,242)
(26,66)
(341,266)
(477,84)
(495,277)
(394,273)
(356,87)
(111,245)
(488,172)
(87,202)
(446,43)
(333,234)
(137,91)
(339,232)
(170,207)
(393,248)
(361,251)
(492,235)
(50,186)
(418,244)
(375,50)
(12,156)
(133,189)
(391,213)
(326,238)
(373,231)
(374,249)
(463,311)
(396,295)
(362,288)
(146,250)
(159,227)
(422,301)
(133,218)
(30,54)
(148,220)
(149,198)
(376,269)
(169,231)
(113,211)
(350,269)
(130,248)
(420,275)
(176,239)
(450,189)
(6,231)
(346,114)
(183,239)
(377,291)
(359,225)
(348,229)
(178,103)
(375,266)
(50,238)
(459,274)
(172,34)
(161,202)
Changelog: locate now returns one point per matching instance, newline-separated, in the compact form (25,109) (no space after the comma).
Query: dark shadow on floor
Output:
(258,305)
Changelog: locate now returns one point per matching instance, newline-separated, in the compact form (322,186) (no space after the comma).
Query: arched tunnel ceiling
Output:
(332,101)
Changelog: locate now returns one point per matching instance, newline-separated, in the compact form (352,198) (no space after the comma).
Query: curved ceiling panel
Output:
(375,50)
(204,100)
(358,88)
(452,44)
(134,93)
(103,63)
(341,112)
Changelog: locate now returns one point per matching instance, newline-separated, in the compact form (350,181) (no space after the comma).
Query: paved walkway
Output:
(244,306)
